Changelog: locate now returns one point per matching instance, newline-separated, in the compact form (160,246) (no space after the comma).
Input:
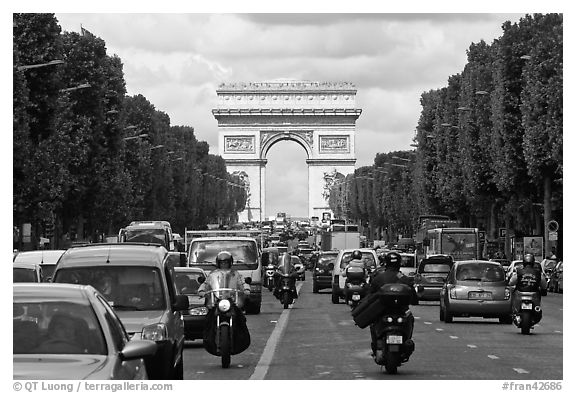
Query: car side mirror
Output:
(181,303)
(248,280)
(201,279)
(419,289)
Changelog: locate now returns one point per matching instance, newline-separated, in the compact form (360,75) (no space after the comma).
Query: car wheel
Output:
(179,370)
(314,287)
(441,314)
(335,297)
(448,317)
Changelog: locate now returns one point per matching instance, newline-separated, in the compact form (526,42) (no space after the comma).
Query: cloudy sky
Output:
(177,60)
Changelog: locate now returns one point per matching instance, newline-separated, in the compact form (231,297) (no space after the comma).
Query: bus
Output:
(460,243)
(427,222)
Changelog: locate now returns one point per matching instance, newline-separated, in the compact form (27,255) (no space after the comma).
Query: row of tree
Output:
(488,145)
(88,158)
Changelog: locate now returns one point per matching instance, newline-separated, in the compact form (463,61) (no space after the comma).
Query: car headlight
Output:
(506,293)
(198,311)
(224,305)
(155,332)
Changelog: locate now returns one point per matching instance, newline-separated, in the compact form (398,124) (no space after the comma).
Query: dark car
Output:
(64,331)
(321,271)
(430,275)
(138,282)
(195,317)
(476,288)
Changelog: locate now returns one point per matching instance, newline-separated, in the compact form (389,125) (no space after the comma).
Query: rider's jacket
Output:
(390,276)
(224,278)
(528,279)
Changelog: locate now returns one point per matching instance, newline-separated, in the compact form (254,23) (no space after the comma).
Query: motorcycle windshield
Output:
(285,265)
(222,284)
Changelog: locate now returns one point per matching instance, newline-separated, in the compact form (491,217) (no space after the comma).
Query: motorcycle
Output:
(284,291)
(355,286)
(269,277)
(528,314)
(226,332)
(390,322)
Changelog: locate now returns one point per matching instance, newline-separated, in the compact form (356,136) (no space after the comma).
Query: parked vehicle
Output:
(138,282)
(187,281)
(322,270)
(27,272)
(45,258)
(344,256)
(430,275)
(476,289)
(68,331)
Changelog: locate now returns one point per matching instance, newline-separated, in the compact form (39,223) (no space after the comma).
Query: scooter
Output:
(528,314)
(355,286)
(269,277)
(229,334)
(284,290)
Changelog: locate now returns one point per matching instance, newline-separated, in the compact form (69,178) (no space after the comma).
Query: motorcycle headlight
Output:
(389,320)
(155,332)
(198,311)
(224,305)
(400,320)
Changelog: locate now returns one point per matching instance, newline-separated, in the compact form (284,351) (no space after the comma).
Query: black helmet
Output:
(226,257)
(528,259)
(392,261)
(356,254)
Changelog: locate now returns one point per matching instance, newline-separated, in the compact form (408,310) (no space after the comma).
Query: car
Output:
(556,283)
(177,259)
(27,272)
(322,270)
(45,258)
(430,276)
(408,265)
(548,266)
(476,288)
(305,253)
(344,256)
(300,269)
(187,283)
(65,331)
(138,282)
(503,261)
(514,265)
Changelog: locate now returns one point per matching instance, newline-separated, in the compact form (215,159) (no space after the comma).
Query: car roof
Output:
(74,292)
(27,265)
(114,254)
(335,252)
(477,261)
(212,238)
(46,257)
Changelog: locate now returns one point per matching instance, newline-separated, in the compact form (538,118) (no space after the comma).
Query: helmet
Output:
(392,260)
(224,257)
(356,254)
(528,259)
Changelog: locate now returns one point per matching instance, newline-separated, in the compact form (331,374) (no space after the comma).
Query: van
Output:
(247,260)
(139,284)
(159,232)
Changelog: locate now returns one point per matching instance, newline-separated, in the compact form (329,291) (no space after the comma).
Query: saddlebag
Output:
(375,305)
(354,273)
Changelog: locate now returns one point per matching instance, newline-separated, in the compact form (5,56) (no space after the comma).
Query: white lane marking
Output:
(557,331)
(521,371)
(454,337)
(273,321)
(472,346)
(493,357)
(427,323)
(263,365)
(439,330)
(416,317)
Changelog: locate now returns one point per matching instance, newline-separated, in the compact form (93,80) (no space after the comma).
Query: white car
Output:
(369,258)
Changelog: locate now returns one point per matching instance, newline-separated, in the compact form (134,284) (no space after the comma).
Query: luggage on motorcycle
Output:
(355,273)
(396,294)
(368,310)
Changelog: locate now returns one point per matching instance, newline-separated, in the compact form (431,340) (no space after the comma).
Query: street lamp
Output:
(526,57)
(129,138)
(156,147)
(52,62)
(481,92)
(82,86)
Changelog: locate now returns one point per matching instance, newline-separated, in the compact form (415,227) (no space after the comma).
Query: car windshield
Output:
(408,261)
(146,235)
(47,271)
(479,272)
(205,252)
(433,267)
(24,275)
(367,259)
(187,282)
(44,326)
(135,288)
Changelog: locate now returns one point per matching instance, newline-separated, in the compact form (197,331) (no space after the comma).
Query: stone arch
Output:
(267,141)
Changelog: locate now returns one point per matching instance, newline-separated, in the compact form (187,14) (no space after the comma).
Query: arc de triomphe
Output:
(319,116)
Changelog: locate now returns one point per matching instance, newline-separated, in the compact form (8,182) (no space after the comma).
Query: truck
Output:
(340,237)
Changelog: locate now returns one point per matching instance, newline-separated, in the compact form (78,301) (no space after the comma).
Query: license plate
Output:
(480,295)
(394,340)
(355,297)
(526,306)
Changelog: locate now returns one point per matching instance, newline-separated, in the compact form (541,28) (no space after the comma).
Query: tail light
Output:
(506,293)
(453,293)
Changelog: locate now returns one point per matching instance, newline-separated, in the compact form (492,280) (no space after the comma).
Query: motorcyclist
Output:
(391,274)
(356,262)
(528,278)
(224,261)
(285,266)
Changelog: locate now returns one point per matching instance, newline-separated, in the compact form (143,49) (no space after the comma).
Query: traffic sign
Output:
(481,235)
(553,226)
(502,232)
